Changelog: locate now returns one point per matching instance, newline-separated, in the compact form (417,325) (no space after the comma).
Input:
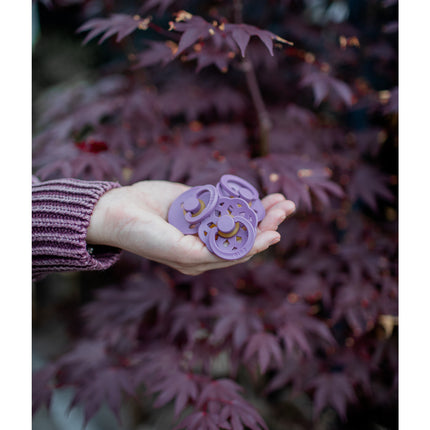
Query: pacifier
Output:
(231,185)
(191,207)
(225,217)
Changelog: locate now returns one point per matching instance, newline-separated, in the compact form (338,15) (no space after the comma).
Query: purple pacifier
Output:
(225,217)
(229,232)
(191,207)
(233,186)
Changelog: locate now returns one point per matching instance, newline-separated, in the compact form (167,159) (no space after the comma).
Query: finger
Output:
(271,200)
(276,215)
(207,261)
(265,239)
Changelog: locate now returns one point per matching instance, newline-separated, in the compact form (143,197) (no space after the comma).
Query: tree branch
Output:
(264,122)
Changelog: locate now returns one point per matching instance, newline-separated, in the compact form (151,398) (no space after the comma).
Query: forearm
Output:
(61,214)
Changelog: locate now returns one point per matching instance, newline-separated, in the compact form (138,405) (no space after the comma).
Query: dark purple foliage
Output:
(205,93)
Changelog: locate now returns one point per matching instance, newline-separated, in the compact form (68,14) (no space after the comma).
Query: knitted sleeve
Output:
(61,213)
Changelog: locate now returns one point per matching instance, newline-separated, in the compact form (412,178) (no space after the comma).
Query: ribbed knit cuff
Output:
(61,212)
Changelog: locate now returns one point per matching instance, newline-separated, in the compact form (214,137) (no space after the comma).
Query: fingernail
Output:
(275,240)
(292,206)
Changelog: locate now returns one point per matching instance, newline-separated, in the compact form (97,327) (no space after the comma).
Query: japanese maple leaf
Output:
(326,86)
(265,346)
(356,363)
(219,389)
(221,397)
(157,53)
(184,157)
(43,386)
(105,386)
(297,329)
(332,390)
(187,318)
(193,29)
(176,385)
(196,28)
(153,164)
(241,415)
(357,303)
(296,177)
(369,184)
(296,371)
(361,261)
(114,307)
(209,55)
(157,360)
(86,357)
(195,97)
(81,164)
(242,33)
(120,24)
(235,320)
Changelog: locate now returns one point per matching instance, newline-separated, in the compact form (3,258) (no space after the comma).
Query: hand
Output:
(134,217)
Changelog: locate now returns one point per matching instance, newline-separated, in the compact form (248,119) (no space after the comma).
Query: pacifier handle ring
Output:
(239,252)
(209,206)
(236,186)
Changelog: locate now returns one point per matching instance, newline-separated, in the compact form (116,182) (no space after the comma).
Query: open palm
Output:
(134,218)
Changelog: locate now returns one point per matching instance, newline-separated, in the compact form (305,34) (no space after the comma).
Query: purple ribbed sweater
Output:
(61,213)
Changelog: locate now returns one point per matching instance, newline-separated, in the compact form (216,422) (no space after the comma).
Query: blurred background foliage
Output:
(128,111)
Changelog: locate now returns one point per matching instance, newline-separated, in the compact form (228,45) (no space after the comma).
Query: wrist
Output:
(100,229)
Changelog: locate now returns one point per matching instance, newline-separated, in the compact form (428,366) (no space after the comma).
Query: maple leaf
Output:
(195,28)
(187,318)
(176,385)
(114,307)
(86,357)
(334,390)
(120,24)
(356,364)
(184,158)
(43,386)
(208,55)
(194,98)
(240,414)
(70,161)
(324,85)
(265,346)
(153,164)
(221,399)
(235,320)
(157,360)
(242,33)
(297,328)
(360,261)
(369,184)
(105,386)
(295,372)
(295,178)
(357,304)
(157,53)
(219,389)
